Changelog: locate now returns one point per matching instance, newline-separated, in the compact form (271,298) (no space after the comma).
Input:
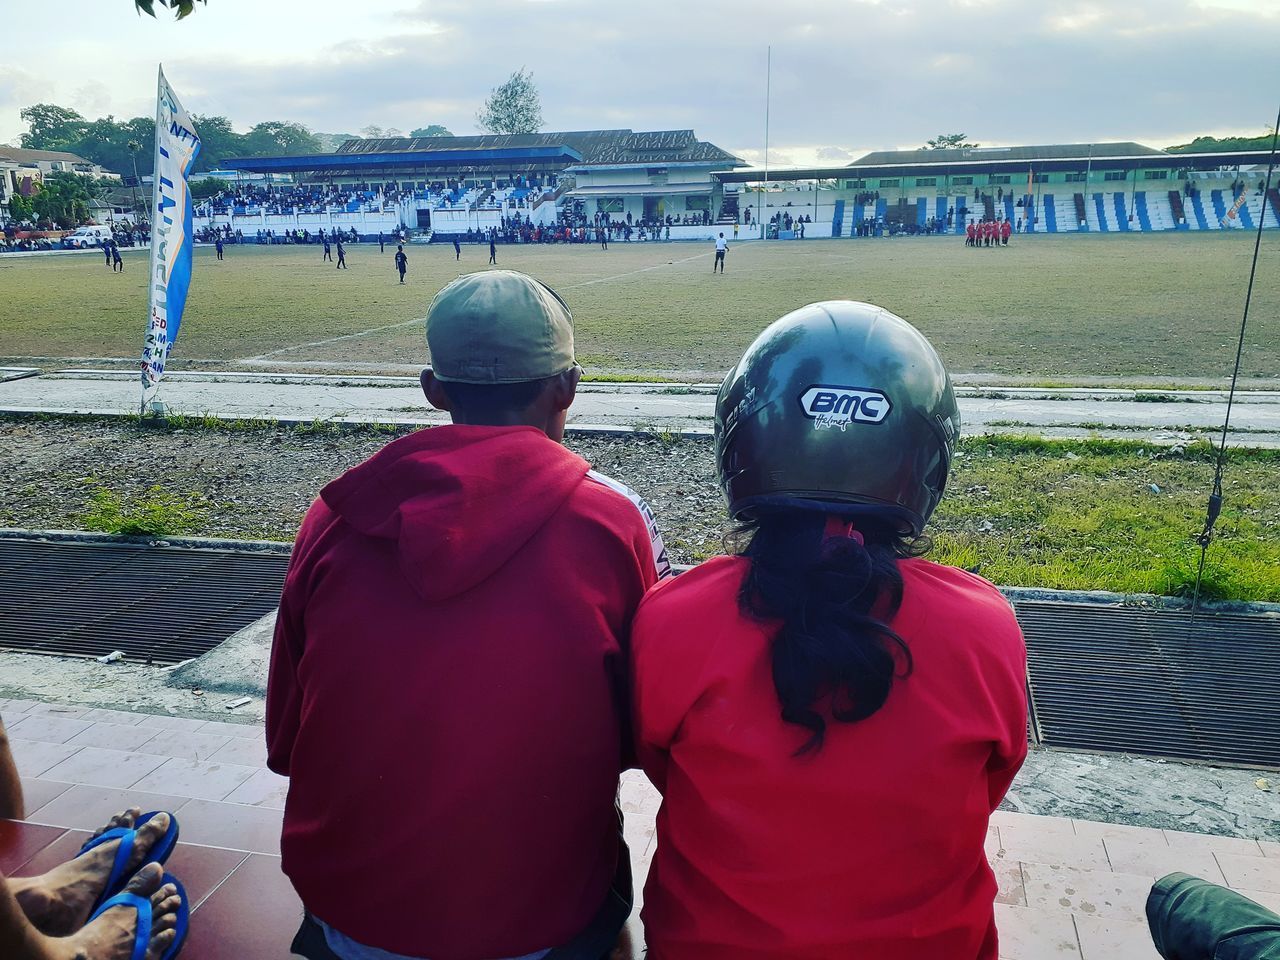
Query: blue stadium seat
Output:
(1140,205)
(1197,208)
(1101,209)
(1122,216)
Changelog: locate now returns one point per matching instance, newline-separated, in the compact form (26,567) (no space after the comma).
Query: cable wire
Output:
(1214,508)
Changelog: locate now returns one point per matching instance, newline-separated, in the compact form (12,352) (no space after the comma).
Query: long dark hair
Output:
(832,656)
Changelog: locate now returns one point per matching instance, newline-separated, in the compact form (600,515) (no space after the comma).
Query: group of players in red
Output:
(988,233)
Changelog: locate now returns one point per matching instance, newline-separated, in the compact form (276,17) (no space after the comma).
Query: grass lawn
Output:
(1063,306)
(1071,514)
(1083,515)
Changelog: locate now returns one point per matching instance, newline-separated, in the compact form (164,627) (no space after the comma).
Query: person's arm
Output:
(11,807)
(284,692)
(1011,749)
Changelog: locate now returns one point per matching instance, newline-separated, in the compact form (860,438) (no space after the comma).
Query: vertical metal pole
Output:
(768,76)
(1088,170)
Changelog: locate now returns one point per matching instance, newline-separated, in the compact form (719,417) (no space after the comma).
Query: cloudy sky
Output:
(848,75)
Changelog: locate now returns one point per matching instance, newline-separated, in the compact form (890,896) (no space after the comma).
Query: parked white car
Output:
(86,237)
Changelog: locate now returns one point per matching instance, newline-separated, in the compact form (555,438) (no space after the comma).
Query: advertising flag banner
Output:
(177,146)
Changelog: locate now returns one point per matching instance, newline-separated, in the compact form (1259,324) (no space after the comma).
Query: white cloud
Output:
(846,76)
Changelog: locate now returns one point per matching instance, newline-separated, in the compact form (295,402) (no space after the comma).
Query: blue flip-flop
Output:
(142,905)
(127,836)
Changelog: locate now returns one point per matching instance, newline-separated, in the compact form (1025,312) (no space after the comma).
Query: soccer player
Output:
(402,262)
(970,234)
(457,250)
(342,254)
(1005,231)
(830,719)
(722,247)
(381,244)
(327,255)
(481,578)
(493,249)
(106,251)
(117,262)
(217,245)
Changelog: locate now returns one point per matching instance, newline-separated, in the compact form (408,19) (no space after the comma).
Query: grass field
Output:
(1165,305)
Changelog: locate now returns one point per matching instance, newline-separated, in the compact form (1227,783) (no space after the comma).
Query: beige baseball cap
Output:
(499,326)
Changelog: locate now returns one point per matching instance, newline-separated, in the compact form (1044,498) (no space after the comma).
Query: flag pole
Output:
(169,269)
(147,386)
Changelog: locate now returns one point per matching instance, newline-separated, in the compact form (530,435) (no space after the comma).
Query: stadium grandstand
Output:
(1065,188)
(450,186)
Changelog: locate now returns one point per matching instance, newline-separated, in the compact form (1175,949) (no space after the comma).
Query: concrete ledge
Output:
(188,543)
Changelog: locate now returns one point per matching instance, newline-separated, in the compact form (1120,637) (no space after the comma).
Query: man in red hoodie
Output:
(446,691)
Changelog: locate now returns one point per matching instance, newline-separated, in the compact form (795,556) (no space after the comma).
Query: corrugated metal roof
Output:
(21,155)
(595,146)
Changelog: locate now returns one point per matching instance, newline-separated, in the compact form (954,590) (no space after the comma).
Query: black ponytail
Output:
(831,655)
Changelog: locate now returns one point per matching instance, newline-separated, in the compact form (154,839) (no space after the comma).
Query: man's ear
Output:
(565,387)
(434,390)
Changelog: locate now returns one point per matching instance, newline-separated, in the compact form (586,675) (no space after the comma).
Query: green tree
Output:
(1224,144)
(21,208)
(279,138)
(950,141)
(182,8)
(51,127)
(218,142)
(434,130)
(329,142)
(513,107)
(206,187)
(63,199)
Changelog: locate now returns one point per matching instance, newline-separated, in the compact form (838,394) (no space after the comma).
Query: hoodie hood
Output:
(459,501)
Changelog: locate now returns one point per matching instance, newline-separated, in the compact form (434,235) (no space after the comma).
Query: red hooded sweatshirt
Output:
(447,696)
(870,848)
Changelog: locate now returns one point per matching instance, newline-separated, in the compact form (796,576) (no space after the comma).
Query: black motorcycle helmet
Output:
(840,407)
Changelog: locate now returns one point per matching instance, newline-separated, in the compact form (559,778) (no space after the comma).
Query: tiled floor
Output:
(1068,888)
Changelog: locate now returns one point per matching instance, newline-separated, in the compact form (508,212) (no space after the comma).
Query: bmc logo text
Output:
(836,406)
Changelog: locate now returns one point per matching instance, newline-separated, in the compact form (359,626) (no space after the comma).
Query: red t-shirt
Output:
(970,231)
(448,696)
(871,848)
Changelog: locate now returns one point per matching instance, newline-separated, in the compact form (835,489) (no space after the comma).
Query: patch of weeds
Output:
(155,512)
(668,438)
(317,428)
(637,377)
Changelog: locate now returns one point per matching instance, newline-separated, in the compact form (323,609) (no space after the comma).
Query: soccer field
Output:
(1165,305)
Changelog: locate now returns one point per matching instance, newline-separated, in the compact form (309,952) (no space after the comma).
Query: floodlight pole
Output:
(768,75)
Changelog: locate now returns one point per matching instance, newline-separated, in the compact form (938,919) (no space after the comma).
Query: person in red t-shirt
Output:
(448,688)
(830,718)
(1006,228)
(970,233)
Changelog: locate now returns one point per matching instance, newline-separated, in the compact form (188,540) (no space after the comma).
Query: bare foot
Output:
(111,936)
(59,902)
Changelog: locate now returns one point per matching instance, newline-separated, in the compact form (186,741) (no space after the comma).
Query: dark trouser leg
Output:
(310,941)
(1192,919)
